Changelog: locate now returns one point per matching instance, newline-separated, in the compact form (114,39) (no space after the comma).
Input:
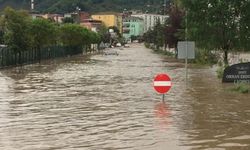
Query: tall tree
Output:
(149,36)
(43,34)
(173,26)
(16,30)
(76,37)
(1,31)
(217,24)
(71,35)
(104,34)
(245,26)
(159,36)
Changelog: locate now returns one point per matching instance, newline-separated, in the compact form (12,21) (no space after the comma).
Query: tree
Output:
(104,34)
(1,36)
(43,34)
(96,38)
(116,30)
(88,37)
(173,26)
(76,37)
(133,37)
(1,31)
(71,35)
(149,36)
(159,36)
(219,25)
(245,26)
(16,29)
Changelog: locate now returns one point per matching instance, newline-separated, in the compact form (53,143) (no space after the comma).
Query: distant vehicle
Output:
(126,46)
(110,52)
(3,46)
(118,44)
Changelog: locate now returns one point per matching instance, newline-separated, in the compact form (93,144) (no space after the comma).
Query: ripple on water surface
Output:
(107,102)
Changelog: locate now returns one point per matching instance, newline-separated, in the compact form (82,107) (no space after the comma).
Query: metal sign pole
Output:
(162,84)
(186,63)
(186,50)
(186,59)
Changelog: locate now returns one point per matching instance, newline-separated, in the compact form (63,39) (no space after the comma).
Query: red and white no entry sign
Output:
(162,83)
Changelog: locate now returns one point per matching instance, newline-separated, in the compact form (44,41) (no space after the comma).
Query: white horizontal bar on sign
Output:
(162,83)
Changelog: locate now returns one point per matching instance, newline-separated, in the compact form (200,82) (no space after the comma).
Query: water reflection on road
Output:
(107,102)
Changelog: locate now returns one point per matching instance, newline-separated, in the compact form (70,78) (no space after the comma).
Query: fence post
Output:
(7,58)
(2,57)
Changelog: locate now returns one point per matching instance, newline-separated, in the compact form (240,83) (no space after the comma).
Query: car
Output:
(126,46)
(3,46)
(111,52)
(118,44)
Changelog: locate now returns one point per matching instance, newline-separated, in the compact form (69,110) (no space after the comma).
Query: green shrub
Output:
(220,70)
(242,88)
(167,53)
(205,57)
(159,51)
(147,45)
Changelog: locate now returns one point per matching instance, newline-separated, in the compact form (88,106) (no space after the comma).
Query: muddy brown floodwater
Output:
(107,102)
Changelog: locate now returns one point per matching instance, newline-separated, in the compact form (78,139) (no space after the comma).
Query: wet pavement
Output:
(107,102)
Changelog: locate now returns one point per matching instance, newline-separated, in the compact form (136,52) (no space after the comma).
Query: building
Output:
(35,16)
(54,17)
(151,19)
(84,16)
(110,19)
(78,17)
(132,26)
(93,25)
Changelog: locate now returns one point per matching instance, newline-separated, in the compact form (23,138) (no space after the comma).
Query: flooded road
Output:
(107,102)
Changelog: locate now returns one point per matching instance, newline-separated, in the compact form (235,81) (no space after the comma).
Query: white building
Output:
(150,20)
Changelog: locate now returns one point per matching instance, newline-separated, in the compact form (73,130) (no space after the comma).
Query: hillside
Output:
(61,6)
